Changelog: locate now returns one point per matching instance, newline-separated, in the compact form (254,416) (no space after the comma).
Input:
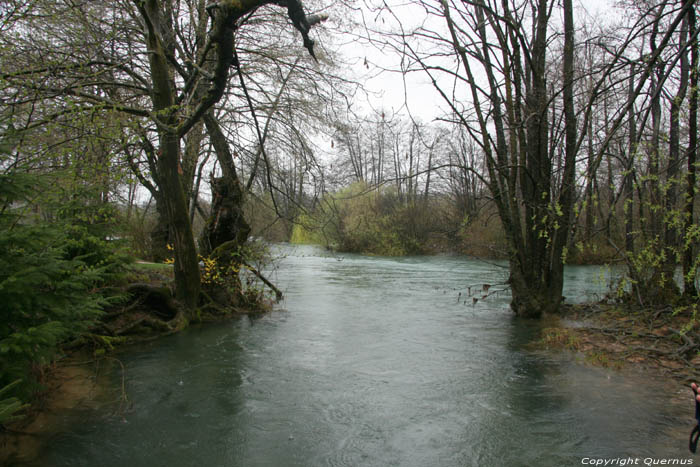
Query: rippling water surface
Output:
(374,361)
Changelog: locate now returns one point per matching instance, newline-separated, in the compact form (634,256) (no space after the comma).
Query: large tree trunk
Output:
(672,217)
(531,272)
(226,230)
(531,297)
(186,266)
(221,243)
(226,224)
(654,279)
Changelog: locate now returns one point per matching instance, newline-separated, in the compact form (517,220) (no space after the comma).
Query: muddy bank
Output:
(74,384)
(664,341)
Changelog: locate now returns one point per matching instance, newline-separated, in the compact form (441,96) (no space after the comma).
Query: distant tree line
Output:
(581,134)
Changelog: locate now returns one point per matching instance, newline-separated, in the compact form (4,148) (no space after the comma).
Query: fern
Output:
(9,406)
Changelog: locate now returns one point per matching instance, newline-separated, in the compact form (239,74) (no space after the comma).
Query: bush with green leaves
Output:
(372,221)
(52,281)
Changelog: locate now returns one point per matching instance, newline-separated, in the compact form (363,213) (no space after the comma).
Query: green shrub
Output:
(357,219)
(308,231)
(9,406)
(51,282)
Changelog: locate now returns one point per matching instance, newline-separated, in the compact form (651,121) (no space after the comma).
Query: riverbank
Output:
(74,380)
(70,385)
(663,340)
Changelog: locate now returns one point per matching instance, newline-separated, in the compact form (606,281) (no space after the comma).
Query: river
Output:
(375,362)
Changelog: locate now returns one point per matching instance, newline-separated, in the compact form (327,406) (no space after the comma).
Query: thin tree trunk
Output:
(568,184)
(194,198)
(628,207)
(426,193)
(672,214)
(689,267)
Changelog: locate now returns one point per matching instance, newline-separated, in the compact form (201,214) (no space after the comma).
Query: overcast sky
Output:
(392,91)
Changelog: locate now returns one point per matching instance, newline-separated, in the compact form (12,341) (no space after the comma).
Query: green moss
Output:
(105,343)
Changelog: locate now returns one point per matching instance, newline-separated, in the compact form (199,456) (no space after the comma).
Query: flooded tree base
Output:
(152,311)
(662,339)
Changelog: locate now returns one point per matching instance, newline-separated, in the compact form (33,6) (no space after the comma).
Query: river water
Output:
(374,362)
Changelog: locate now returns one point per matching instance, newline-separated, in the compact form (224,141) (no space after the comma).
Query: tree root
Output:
(158,299)
(153,311)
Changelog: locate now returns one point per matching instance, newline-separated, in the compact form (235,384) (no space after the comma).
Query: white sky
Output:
(394,92)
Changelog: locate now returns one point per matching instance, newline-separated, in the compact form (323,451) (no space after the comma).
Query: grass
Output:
(144,266)
(559,337)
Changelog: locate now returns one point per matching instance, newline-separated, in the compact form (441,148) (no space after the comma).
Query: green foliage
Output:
(9,406)
(360,220)
(136,226)
(652,276)
(307,231)
(47,297)
(86,246)
(593,251)
(52,279)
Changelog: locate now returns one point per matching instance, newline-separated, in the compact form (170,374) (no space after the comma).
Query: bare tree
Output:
(511,90)
(135,58)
